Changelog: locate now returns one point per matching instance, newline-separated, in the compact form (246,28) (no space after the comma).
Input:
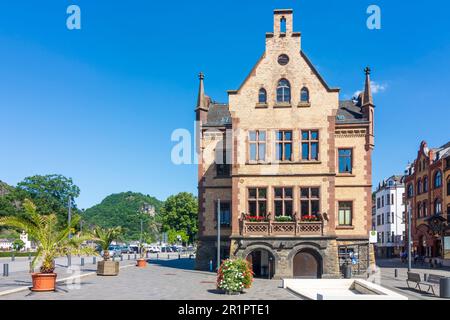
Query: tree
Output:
(180,212)
(50,193)
(51,239)
(104,237)
(174,235)
(18,245)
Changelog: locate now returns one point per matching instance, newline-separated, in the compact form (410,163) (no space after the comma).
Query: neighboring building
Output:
(389,218)
(148,209)
(6,244)
(427,184)
(290,164)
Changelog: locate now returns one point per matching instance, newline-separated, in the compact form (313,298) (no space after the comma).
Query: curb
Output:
(23,288)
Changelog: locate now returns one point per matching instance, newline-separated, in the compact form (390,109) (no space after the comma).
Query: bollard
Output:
(31,269)
(135,256)
(69,260)
(425,276)
(12,256)
(210,265)
(128,257)
(82,262)
(94,260)
(179,256)
(121,257)
(29,256)
(395,273)
(5,270)
(157,256)
(146,254)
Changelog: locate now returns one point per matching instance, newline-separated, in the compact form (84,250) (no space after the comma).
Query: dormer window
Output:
(262,96)
(304,95)
(283,91)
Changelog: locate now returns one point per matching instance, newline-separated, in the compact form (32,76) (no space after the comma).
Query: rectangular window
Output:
(345,160)
(223,167)
(225,213)
(309,202)
(283,145)
(345,213)
(388,217)
(283,201)
(378,203)
(392,218)
(257,202)
(392,199)
(257,145)
(388,199)
(310,145)
(382,201)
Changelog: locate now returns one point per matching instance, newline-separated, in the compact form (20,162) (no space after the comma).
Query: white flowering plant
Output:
(234,275)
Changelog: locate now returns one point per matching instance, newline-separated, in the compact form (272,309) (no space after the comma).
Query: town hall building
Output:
(289,166)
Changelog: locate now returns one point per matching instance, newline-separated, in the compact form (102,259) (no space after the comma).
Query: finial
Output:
(367,71)
(201,76)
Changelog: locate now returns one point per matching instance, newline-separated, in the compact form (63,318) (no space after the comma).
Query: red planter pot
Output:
(141,263)
(43,282)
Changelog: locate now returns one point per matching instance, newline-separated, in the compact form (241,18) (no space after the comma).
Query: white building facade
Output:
(389,217)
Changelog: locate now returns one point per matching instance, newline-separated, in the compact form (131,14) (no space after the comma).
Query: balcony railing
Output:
(274,228)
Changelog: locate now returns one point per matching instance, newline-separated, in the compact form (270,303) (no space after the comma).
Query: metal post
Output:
(94,260)
(168,257)
(29,256)
(82,262)
(13,257)
(218,234)
(395,273)
(69,260)
(31,269)
(210,265)
(128,257)
(5,270)
(157,256)
(121,257)
(179,256)
(409,234)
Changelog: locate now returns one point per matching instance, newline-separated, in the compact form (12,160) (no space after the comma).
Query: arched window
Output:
(262,96)
(437,206)
(283,25)
(419,186)
(425,209)
(425,184)
(438,179)
(410,191)
(283,91)
(304,95)
(448,186)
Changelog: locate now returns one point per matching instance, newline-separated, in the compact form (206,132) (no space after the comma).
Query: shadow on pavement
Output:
(184,263)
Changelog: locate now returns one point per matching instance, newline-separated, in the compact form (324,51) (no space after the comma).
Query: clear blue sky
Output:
(99,104)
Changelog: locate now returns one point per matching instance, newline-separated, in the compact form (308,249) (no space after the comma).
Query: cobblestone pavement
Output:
(387,278)
(162,279)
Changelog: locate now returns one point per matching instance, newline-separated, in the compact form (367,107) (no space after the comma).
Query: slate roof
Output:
(218,115)
(349,112)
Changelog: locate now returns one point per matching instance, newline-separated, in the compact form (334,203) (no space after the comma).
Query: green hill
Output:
(125,209)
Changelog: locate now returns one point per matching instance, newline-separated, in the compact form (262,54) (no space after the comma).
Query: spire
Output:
(367,95)
(201,92)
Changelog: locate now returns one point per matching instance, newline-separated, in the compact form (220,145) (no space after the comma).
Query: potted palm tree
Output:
(142,261)
(104,237)
(52,241)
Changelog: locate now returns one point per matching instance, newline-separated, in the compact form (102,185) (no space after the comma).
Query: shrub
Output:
(283,219)
(234,275)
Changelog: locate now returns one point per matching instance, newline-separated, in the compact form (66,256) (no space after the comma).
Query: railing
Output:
(273,228)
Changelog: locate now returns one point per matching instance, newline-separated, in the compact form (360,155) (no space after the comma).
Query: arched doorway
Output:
(262,262)
(307,264)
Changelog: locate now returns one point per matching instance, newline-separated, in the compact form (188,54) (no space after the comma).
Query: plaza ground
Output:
(168,278)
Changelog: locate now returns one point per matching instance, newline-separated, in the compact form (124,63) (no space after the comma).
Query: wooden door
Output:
(305,265)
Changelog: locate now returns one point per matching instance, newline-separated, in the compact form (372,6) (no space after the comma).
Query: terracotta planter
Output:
(141,263)
(43,282)
(108,268)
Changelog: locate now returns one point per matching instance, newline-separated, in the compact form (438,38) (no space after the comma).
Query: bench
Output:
(432,280)
(430,283)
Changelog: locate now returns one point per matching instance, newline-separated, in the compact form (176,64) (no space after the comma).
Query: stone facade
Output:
(224,133)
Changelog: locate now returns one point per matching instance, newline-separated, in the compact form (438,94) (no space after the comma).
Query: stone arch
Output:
(312,258)
(264,259)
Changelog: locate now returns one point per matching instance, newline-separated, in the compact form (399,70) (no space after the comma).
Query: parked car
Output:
(154,249)
(126,249)
(114,251)
(166,249)
(133,248)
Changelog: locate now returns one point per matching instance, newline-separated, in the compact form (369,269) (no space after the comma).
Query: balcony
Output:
(274,228)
